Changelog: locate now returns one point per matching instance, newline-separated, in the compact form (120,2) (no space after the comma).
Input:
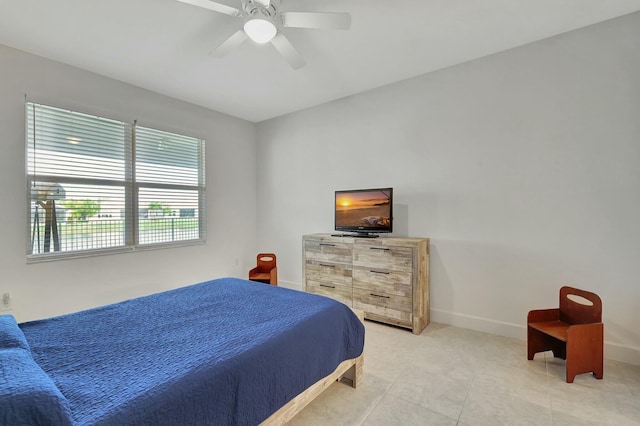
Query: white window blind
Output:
(97,184)
(170,186)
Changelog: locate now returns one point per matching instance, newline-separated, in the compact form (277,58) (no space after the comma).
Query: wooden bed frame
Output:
(350,369)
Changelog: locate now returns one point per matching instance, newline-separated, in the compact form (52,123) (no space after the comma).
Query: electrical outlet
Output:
(5,303)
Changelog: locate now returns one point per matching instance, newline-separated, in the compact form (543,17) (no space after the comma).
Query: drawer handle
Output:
(378,295)
(327,265)
(327,244)
(380,272)
(327,286)
(379,248)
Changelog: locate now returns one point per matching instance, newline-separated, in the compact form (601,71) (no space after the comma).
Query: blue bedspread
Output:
(227,351)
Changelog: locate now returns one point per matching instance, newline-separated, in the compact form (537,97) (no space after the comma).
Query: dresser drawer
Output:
(384,305)
(377,280)
(332,273)
(383,257)
(340,293)
(327,251)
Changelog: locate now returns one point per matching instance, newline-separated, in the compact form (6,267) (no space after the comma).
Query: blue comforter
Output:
(227,351)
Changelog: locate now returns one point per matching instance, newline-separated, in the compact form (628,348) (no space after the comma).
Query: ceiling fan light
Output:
(260,30)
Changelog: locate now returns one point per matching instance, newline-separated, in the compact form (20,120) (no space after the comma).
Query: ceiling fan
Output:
(263,21)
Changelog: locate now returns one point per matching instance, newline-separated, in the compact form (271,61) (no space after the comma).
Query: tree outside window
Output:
(81,209)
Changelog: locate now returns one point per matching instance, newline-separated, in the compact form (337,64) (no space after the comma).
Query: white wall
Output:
(523,168)
(46,289)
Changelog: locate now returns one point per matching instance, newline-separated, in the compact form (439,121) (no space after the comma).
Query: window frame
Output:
(131,189)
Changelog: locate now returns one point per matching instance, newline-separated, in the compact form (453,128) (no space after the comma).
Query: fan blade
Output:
(215,6)
(229,44)
(286,49)
(323,20)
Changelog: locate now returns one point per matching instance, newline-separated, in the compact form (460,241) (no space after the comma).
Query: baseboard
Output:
(620,352)
(290,284)
(485,325)
(612,351)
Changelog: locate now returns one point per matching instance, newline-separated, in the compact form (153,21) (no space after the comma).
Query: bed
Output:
(222,352)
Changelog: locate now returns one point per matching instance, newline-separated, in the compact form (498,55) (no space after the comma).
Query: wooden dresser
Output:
(387,278)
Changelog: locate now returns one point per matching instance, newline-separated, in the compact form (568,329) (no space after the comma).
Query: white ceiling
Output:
(164,45)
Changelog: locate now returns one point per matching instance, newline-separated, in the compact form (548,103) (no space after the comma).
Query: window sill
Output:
(51,257)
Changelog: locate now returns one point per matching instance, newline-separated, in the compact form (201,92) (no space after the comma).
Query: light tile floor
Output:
(453,376)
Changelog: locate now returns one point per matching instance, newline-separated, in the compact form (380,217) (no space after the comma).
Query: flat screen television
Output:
(364,212)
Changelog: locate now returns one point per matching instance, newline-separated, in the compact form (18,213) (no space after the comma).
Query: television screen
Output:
(364,210)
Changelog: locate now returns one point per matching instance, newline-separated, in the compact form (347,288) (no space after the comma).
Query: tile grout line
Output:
(546,369)
(373,407)
(466,397)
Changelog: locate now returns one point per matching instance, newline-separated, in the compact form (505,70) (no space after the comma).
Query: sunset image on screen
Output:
(367,208)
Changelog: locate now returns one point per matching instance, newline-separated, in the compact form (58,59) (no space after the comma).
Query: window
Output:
(96,184)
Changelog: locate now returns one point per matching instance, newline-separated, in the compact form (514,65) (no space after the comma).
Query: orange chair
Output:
(266,270)
(574,332)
